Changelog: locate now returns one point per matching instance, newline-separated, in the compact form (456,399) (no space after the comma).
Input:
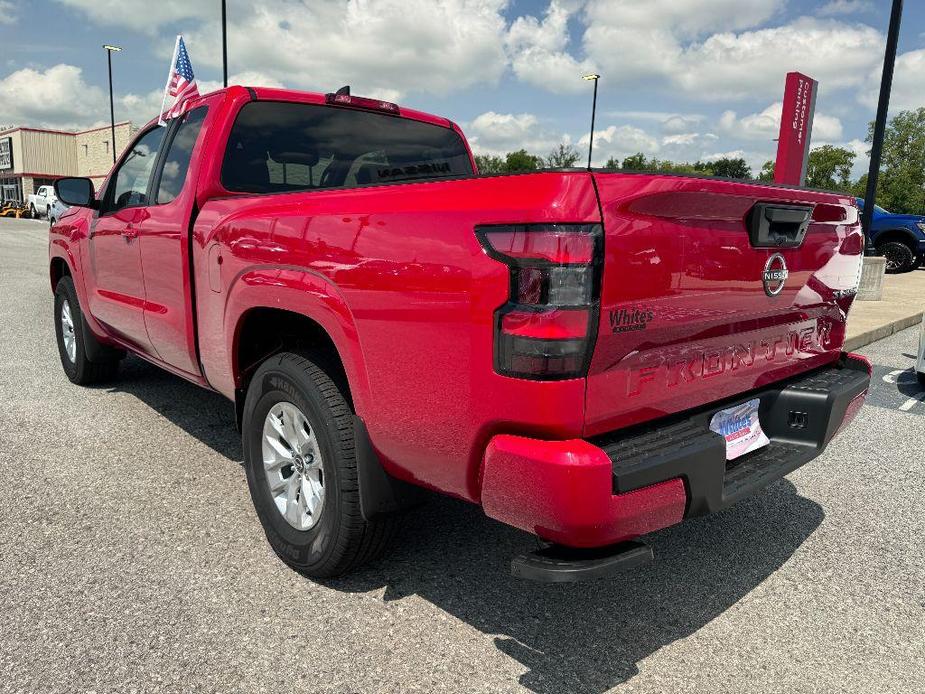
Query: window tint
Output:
(176,163)
(131,182)
(277,147)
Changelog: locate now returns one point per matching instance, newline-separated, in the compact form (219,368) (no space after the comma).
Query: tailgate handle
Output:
(778,226)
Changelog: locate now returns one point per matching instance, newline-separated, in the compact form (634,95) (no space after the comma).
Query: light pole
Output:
(112,112)
(593,113)
(883,108)
(224,45)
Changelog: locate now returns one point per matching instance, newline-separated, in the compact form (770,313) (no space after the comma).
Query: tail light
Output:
(546,329)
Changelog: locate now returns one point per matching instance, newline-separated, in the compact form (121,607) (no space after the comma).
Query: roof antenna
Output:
(343,91)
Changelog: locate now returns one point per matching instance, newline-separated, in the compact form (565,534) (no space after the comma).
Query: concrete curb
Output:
(863,339)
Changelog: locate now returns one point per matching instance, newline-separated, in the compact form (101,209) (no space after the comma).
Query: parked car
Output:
(55,211)
(40,201)
(384,319)
(900,238)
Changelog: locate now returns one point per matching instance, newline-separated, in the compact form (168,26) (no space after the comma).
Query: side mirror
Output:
(76,191)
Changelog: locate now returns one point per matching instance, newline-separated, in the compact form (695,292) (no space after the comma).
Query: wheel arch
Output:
(57,269)
(900,234)
(263,331)
(270,310)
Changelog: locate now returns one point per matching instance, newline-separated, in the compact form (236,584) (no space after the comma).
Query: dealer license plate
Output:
(740,427)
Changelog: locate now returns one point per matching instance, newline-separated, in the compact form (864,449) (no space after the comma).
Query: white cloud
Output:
(840,7)
(632,40)
(669,122)
(707,49)
(537,50)
(143,15)
(740,65)
(387,47)
(908,85)
(498,133)
(58,97)
(8,13)
(679,123)
(766,125)
(619,142)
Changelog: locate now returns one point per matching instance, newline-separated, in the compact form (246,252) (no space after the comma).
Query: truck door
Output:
(116,284)
(163,236)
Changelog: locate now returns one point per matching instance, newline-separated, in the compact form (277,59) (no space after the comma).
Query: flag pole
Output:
(173,61)
(224,45)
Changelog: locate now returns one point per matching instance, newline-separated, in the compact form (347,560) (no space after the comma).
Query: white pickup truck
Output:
(41,201)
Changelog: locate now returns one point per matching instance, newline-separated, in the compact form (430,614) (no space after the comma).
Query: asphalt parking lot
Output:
(130,559)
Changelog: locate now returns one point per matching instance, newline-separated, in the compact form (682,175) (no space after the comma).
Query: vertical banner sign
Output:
(796,129)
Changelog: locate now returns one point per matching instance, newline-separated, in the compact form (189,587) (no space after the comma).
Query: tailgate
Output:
(712,288)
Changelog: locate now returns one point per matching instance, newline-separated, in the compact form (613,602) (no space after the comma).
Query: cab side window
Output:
(130,187)
(176,163)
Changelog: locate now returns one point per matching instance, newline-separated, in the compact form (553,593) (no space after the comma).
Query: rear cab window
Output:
(277,147)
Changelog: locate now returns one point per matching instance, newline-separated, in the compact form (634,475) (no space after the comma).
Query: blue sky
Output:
(681,79)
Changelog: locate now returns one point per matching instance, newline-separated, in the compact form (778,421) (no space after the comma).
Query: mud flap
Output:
(380,493)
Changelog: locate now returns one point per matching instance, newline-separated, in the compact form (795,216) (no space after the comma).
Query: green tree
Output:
(521,160)
(901,186)
(673,167)
(829,167)
(562,157)
(767,172)
(731,168)
(488,164)
(859,188)
(636,162)
(613,164)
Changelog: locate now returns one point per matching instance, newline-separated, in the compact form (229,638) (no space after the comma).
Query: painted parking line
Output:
(912,402)
(896,389)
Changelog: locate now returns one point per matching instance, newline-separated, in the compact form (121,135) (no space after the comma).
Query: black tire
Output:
(899,257)
(341,539)
(32,214)
(79,370)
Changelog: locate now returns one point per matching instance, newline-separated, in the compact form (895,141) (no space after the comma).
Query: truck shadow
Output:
(590,637)
(203,414)
(586,637)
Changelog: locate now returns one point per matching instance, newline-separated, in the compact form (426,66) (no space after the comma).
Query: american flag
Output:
(181,84)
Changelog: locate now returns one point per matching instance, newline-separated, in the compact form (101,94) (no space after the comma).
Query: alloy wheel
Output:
(292,464)
(67,331)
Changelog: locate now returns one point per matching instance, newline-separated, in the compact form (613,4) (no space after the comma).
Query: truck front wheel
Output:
(71,340)
(301,466)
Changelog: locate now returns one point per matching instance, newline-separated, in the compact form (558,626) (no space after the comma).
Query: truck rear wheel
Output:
(899,257)
(71,340)
(300,461)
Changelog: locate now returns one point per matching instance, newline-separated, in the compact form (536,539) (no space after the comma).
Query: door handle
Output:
(129,232)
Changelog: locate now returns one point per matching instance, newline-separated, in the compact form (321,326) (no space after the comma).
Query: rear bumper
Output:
(617,487)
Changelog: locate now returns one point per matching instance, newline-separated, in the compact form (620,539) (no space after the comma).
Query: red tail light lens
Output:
(546,329)
(554,243)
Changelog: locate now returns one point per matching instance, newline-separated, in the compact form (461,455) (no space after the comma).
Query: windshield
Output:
(280,147)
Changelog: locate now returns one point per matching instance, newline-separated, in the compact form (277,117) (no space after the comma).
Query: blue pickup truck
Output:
(900,238)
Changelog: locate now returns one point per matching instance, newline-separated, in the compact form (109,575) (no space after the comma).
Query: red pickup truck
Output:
(590,356)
